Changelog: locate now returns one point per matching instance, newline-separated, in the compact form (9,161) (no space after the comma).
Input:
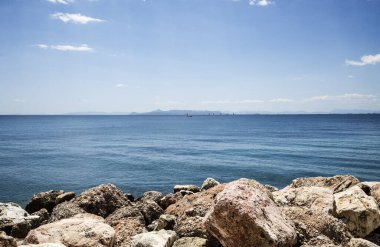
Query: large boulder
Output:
(78,231)
(209,183)
(65,210)
(191,210)
(317,227)
(190,242)
(162,238)
(7,241)
(43,200)
(245,216)
(15,221)
(127,221)
(316,198)
(337,183)
(166,222)
(359,211)
(102,200)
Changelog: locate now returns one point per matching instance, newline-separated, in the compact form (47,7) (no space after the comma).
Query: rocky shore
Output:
(318,211)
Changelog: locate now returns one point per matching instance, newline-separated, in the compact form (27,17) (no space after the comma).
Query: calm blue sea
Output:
(140,153)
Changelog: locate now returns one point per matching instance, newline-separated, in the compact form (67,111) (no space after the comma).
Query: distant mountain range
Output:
(205,112)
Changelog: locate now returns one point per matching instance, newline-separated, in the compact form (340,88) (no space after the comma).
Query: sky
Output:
(62,56)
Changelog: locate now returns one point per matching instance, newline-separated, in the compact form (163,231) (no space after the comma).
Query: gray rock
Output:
(152,195)
(190,242)
(209,183)
(150,210)
(65,210)
(191,188)
(166,222)
(67,196)
(162,238)
(15,221)
(43,200)
(102,200)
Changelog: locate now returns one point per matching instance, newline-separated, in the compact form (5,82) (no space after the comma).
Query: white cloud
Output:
(246,101)
(120,85)
(365,60)
(281,100)
(81,48)
(350,76)
(75,18)
(61,1)
(347,96)
(260,2)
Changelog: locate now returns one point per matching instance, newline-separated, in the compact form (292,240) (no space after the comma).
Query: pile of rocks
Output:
(319,211)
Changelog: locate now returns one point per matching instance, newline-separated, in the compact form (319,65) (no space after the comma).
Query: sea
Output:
(142,153)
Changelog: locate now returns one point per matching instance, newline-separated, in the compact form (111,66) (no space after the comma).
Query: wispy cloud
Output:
(281,100)
(81,48)
(347,96)
(120,85)
(75,18)
(61,1)
(246,101)
(365,60)
(262,3)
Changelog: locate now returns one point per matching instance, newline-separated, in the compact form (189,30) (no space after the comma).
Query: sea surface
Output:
(141,153)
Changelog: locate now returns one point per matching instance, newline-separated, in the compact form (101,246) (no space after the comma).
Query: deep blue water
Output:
(140,153)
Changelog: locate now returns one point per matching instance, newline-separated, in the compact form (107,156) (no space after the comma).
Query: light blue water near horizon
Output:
(141,153)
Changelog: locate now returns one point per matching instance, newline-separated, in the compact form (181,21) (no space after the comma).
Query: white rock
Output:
(78,231)
(359,211)
(162,238)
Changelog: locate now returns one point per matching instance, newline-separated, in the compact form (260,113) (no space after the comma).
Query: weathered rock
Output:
(186,192)
(317,198)
(371,189)
(65,210)
(170,199)
(209,183)
(15,221)
(78,231)
(150,210)
(190,242)
(7,241)
(316,227)
(245,216)
(102,200)
(67,196)
(271,188)
(337,183)
(166,222)
(191,210)
(127,222)
(152,195)
(374,237)
(191,188)
(359,211)
(43,245)
(43,218)
(320,241)
(43,200)
(162,238)
(359,242)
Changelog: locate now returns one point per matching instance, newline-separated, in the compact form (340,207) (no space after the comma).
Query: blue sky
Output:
(59,56)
